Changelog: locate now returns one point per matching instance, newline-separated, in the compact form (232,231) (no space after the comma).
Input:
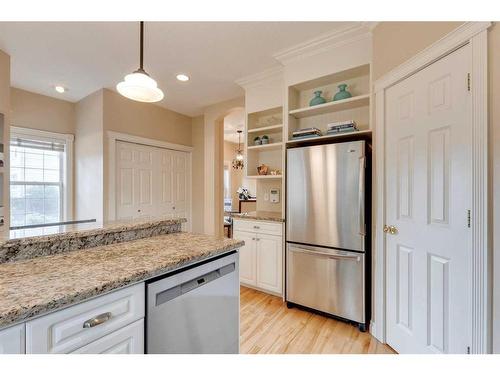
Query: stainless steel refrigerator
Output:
(326,229)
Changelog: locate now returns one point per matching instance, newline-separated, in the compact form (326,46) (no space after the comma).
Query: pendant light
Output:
(238,160)
(139,85)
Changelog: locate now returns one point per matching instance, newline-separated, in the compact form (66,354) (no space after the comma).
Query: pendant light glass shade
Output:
(139,85)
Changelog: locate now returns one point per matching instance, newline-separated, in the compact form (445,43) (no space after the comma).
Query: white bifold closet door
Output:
(151,182)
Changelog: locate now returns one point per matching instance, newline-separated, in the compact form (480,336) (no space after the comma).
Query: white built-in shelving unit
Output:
(267,122)
(301,115)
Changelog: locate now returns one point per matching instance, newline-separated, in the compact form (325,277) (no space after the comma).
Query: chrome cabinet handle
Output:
(99,319)
(332,256)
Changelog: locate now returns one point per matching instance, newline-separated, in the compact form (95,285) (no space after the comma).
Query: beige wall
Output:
(263,188)
(89,156)
(35,111)
(5,110)
(145,120)
(396,42)
(198,191)
(214,161)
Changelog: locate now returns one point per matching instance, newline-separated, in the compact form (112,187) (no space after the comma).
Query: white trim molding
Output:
(113,137)
(68,140)
(259,78)
(325,42)
(475,34)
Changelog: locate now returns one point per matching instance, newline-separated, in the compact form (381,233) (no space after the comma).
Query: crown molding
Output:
(259,78)
(327,41)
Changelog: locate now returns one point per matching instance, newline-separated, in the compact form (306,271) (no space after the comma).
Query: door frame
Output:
(114,137)
(475,34)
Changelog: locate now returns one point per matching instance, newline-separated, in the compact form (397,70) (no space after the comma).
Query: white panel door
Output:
(269,262)
(166,201)
(134,181)
(428,189)
(180,183)
(248,273)
(151,182)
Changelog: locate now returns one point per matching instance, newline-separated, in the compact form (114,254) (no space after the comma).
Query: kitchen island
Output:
(87,264)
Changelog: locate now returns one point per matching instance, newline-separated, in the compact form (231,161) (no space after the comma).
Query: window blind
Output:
(37,144)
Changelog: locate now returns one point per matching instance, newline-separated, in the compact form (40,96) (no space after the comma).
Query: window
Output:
(39,188)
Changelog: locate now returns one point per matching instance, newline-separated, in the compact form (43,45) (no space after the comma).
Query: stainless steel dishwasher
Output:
(196,310)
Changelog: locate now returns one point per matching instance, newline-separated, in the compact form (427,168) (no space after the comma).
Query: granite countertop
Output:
(260,215)
(43,284)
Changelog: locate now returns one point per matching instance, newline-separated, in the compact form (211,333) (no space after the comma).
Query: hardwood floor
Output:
(268,326)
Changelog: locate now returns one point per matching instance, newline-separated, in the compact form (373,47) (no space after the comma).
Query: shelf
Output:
(265,128)
(269,146)
(340,105)
(358,134)
(265,177)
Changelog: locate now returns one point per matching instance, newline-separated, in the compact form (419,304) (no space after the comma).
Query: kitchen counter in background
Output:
(261,215)
(34,283)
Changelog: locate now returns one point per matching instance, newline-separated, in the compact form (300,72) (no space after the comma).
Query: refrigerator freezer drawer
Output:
(327,280)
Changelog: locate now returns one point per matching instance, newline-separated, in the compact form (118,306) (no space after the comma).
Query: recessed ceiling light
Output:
(182,77)
(60,89)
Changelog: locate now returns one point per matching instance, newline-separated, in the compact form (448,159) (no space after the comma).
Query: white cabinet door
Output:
(247,257)
(12,340)
(127,340)
(269,262)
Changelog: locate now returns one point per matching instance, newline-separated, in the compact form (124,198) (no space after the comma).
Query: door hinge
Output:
(468,218)
(468,350)
(468,81)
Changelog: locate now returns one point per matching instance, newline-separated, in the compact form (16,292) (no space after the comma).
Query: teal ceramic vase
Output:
(342,94)
(318,99)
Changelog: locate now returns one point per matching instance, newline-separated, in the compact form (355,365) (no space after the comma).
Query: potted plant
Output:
(265,139)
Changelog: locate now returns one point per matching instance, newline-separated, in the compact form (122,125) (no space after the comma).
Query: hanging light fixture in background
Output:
(238,160)
(139,85)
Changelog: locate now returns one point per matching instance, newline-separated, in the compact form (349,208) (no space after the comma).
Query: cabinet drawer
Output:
(127,340)
(12,340)
(256,226)
(63,331)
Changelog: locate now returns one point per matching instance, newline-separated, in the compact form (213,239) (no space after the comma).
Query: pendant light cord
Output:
(141,58)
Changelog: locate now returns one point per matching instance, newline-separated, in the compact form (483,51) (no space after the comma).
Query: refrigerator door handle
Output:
(361,196)
(298,249)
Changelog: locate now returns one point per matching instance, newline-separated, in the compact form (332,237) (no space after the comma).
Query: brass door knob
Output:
(390,229)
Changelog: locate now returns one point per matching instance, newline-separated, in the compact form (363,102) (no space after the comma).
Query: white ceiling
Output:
(86,56)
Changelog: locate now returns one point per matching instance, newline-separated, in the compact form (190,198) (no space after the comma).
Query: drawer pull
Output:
(99,319)
(256,227)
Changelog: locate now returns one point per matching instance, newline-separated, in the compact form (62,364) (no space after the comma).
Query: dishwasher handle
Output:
(178,290)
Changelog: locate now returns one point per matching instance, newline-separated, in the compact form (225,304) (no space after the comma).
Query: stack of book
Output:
(342,127)
(306,133)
